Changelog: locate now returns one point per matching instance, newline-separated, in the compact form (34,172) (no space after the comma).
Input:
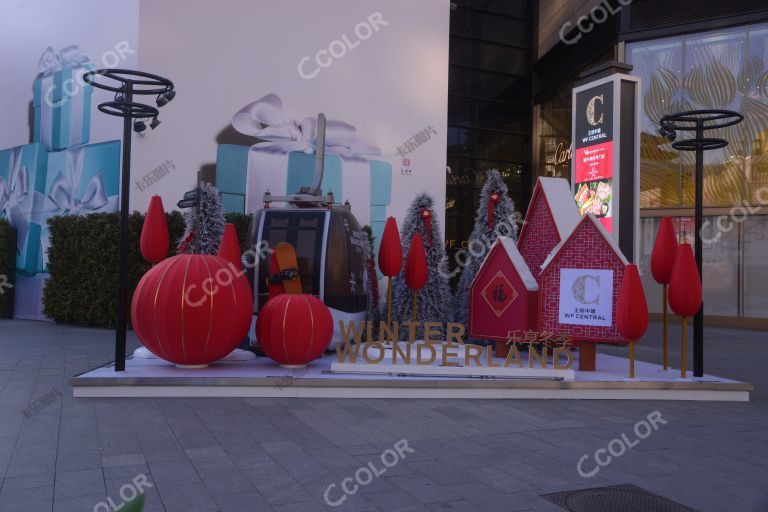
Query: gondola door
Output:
(306,231)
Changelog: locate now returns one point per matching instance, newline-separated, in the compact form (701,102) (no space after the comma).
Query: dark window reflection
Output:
(489,107)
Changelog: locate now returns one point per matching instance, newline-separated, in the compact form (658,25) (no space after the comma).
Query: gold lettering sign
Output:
(425,354)
(562,155)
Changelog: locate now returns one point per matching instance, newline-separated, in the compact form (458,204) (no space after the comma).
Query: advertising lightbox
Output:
(605,176)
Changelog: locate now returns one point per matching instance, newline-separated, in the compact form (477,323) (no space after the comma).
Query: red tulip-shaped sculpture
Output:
(155,240)
(416,268)
(229,248)
(662,261)
(632,311)
(685,292)
(192,309)
(294,329)
(390,258)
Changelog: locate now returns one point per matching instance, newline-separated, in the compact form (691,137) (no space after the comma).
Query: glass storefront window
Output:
(755,266)
(726,69)
(554,130)
(735,267)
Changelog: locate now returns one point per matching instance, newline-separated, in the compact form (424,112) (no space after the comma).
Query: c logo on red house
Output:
(585,294)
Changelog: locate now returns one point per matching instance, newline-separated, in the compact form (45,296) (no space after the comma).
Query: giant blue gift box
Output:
(100,171)
(21,196)
(232,169)
(69,126)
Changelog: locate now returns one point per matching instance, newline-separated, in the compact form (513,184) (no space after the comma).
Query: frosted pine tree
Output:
(210,225)
(434,300)
(373,313)
(495,217)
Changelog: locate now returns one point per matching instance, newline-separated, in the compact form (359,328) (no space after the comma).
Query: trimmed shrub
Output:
(7,268)
(83,261)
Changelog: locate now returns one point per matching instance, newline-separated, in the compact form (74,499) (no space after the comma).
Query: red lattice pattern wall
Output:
(586,248)
(540,235)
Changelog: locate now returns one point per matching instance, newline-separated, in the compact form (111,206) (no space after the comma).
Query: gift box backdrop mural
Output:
(62,100)
(377,69)
(58,174)
(283,161)
(246,117)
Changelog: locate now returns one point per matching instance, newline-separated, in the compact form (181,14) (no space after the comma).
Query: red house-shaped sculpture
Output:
(552,215)
(579,285)
(503,296)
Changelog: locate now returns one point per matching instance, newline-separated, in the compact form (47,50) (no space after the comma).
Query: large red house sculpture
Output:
(579,289)
(503,296)
(552,214)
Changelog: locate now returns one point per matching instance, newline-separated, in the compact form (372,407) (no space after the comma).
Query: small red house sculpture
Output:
(503,296)
(579,289)
(552,214)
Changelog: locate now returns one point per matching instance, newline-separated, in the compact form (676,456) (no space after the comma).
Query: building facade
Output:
(689,55)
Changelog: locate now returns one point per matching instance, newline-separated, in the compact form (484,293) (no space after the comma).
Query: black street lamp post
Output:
(698,121)
(125,84)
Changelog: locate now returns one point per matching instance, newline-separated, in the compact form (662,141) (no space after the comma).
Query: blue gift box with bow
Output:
(283,160)
(80,180)
(62,99)
(22,188)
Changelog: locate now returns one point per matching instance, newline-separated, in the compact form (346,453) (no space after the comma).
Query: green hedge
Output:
(82,259)
(7,268)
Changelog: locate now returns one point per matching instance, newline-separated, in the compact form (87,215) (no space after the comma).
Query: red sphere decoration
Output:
(664,250)
(192,309)
(685,283)
(294,330)
(632,309)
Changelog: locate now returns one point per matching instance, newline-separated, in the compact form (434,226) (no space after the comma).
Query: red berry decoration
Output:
(631,308)
(192,309)
(664,251)
(229,248)
(390,250)
(684,283)
(154,232)
(294,330)
(416,273)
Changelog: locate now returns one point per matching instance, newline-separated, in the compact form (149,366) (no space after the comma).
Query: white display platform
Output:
(264,378)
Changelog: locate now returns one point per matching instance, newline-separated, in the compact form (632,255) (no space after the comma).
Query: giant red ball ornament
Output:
(192,309)
(294,330)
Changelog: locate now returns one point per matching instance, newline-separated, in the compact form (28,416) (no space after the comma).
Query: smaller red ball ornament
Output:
(294,330)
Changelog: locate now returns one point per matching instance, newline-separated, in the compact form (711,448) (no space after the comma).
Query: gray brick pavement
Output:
(281,454)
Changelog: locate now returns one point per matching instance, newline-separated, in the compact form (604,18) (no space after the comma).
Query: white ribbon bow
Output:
(264,119)
(50,61)
(15,200)
(63,192)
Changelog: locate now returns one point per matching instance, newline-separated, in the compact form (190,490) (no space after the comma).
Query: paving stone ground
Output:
(240,454)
